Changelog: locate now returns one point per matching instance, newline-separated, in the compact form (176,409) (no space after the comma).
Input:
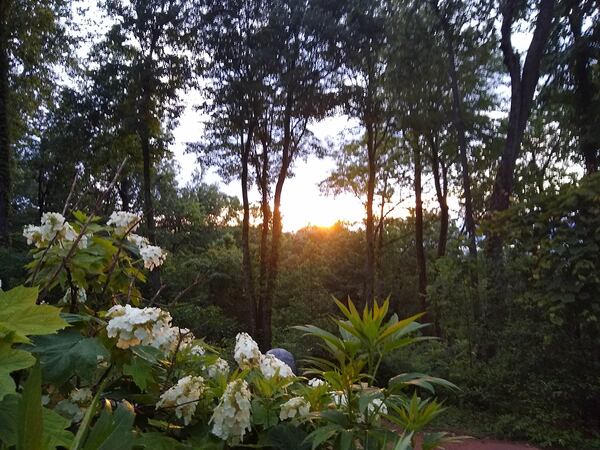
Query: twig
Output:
(113,264)
(199,278)
(153,299)
(84,228)
(64,211)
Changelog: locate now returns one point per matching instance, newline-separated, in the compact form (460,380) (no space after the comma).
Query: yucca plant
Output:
(361,414)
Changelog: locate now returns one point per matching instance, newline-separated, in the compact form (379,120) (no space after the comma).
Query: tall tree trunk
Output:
(523,85)
(459,126)
(125,193)
(277,229)
(263,177)
(420,249)
(440,180)
(585,91)
(5,156)
(369,287)
(247,278)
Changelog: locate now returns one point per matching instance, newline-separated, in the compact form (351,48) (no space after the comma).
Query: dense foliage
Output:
(128,377)
(471,139)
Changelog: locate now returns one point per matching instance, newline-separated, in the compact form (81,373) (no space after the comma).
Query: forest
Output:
(155,292)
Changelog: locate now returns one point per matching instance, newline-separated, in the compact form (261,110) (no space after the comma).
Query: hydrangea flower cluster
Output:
(219,367)
(183,397)
(246,353)
(248,356)
(231,418)
(152,255)
(52,225)
(271,366)
(197,350)
(295,406)
(339,398)
(316,382)
(145,326)
(123,221)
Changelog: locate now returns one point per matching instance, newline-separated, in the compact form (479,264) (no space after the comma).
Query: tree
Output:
(364,41)
(32,41)
(456,20)
(523,84)
(154,37)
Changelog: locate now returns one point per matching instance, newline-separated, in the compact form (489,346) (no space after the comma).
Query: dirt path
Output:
(485,444)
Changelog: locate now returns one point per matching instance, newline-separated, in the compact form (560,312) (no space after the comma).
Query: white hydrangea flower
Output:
(153,256)
(375,406)
(197,350)
(295,406)
(34,236)
(316,382)
(53,226)
(339,398)
(246,352)
(81,396)
(270,366)
(139,241)
(123,221)
(231,418)
(183,397)
(219,367)
(141,326)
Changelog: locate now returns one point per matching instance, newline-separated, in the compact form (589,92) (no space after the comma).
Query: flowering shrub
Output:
(108,375)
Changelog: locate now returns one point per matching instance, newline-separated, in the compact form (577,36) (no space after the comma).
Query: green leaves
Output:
(21,317)
(30,417)
(11,360)
(140,371)
(55,432)
(420,380)
(112,431)
(67,354)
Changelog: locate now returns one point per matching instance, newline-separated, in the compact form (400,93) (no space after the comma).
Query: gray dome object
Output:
(283,355)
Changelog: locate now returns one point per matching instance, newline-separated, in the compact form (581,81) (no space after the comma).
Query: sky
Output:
(302,202)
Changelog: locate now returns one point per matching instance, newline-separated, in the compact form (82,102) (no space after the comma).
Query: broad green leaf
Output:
(158,441)
(55,430)
(12,359)
(112,431)
(140,371)
(9,407)
(30,425)
(20,314)
(288,437)
(66,354)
